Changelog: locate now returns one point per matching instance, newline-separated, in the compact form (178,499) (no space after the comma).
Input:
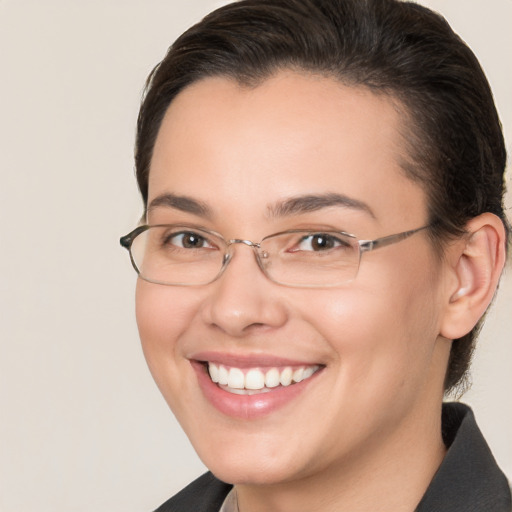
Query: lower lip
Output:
(248,406)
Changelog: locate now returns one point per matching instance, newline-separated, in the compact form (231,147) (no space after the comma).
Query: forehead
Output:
(291,135)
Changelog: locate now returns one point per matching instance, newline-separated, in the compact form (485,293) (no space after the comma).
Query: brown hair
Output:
(455,147)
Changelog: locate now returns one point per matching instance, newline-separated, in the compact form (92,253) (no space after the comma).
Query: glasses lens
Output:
(181,255)
(177,255)
(305,258)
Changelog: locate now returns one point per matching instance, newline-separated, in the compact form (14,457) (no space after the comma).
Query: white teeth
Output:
(236,378)
(255,380)
(223,376)
(298,375)
(309,371)
(272,378)
(213,370)
(246,391)
(286,377)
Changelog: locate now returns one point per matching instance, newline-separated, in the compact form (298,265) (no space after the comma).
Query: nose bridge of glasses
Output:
(255,246)
(233,241)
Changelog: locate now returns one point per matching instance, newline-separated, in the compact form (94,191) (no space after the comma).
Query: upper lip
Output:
(248,360)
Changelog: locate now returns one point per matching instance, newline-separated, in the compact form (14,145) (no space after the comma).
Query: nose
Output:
(242,300)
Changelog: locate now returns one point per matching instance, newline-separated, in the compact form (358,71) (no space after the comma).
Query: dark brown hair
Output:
(451,128)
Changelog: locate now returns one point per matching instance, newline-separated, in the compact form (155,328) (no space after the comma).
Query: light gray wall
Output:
(82,425)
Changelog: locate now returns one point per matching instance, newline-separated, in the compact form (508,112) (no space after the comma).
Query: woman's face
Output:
(239,156)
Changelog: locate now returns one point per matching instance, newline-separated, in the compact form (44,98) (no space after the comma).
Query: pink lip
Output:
(248,361)
(248,407)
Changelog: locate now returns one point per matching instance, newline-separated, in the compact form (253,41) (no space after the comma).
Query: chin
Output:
(247,473)
(252,461)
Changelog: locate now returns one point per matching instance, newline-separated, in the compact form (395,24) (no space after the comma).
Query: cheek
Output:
(383,334)
(162,317)
(162,312)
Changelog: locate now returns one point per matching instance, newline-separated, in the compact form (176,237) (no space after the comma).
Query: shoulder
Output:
(206,494)
(469,479)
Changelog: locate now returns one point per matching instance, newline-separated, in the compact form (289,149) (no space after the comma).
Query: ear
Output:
(476,265)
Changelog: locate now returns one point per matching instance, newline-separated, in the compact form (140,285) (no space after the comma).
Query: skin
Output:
(375,407)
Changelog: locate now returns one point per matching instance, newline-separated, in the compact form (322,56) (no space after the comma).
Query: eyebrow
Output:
(183,203)
(311,203)
(288,207)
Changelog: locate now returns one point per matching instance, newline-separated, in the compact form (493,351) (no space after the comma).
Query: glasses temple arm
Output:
(370,245)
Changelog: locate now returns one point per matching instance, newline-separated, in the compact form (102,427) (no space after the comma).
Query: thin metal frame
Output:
(364,246)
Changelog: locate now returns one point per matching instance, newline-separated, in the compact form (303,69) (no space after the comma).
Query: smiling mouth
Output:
(251,381)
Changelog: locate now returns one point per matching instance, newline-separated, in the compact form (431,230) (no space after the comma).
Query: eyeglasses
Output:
(177,255)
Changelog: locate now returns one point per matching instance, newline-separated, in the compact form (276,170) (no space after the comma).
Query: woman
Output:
(324,230)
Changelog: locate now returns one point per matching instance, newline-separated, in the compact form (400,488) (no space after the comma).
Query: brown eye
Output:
(192,241)
(322,242)
(188,240)
(319,242)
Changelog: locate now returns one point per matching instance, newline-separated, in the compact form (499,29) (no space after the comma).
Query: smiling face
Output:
(250,162)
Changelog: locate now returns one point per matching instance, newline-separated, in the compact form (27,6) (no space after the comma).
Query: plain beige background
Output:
(82,426)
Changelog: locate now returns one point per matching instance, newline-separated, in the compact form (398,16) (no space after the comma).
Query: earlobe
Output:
(476,265)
